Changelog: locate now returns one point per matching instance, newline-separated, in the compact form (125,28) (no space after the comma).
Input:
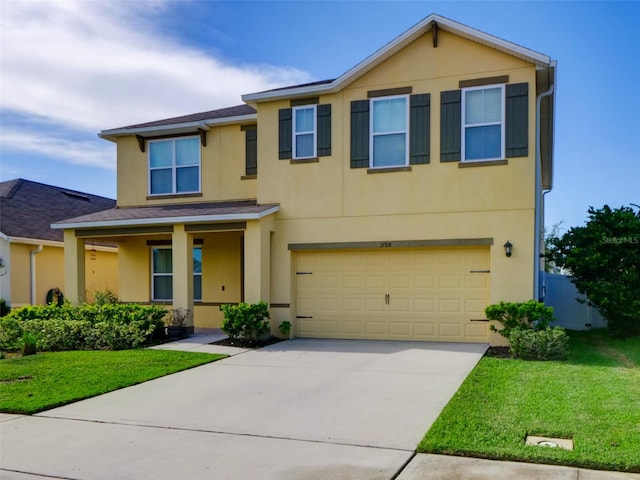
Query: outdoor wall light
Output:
(507,248)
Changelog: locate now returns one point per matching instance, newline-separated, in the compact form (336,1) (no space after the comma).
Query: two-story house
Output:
(393,202)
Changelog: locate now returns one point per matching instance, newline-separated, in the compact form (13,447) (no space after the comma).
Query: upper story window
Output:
(390,129)
(483,135)
(389,132)
(304,131)
(174,166)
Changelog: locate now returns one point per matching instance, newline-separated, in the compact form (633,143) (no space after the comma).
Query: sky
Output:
(71,68)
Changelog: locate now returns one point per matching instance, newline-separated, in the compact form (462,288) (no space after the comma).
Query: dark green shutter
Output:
(251,150)
(419,126)
(360,134)
(517,119)
(450,126)
(285,147)
(323,113)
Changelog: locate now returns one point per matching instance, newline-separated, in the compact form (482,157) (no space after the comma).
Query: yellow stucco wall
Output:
(221,273)
(101,272)
(222,161)
(330,202)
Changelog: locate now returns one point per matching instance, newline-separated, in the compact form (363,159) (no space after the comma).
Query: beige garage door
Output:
(410,294)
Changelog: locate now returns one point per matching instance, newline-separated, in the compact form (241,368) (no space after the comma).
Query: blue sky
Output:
(70,68)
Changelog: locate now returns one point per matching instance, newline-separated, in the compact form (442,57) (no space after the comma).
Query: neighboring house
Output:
(375,205)
(33,254)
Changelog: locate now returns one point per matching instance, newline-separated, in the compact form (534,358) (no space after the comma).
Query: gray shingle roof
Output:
(27,209)
(235,111)
(131,215)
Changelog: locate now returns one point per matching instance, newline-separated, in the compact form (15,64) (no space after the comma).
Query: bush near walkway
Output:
(526,326)
(82,327)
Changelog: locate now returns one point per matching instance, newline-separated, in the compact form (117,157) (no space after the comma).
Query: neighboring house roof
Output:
(27,209)
(170,214)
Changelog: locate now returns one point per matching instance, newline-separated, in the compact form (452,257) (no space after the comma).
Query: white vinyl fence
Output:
(562,295)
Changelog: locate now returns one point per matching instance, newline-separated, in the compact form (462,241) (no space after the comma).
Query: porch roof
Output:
(171,214)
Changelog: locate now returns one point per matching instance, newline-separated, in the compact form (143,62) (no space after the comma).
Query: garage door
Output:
(413,294)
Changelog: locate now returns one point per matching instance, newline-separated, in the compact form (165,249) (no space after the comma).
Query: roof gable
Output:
(29,208)
(433,21)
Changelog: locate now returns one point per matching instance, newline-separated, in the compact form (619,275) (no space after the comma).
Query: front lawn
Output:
(39,382)
(593,398)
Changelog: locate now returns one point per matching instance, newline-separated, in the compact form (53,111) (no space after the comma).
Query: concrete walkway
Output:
(304,409)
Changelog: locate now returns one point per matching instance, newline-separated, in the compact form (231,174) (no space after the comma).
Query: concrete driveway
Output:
(307,409)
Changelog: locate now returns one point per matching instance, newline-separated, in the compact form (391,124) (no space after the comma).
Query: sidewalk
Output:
(443,467)
(200,342)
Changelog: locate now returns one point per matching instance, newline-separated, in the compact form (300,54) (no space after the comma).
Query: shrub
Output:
(285,328)
(29,341)
(531,315)
(106,297)
(545,344)
(246,320)
(84,327)
(10,333)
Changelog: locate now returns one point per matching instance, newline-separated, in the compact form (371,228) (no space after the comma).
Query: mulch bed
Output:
(246,343)
(498,352)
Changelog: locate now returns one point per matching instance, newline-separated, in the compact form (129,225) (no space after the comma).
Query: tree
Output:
(549,236)
(603,258)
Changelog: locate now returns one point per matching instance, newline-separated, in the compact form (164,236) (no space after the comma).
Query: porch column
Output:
(74,268)
(182,246)
(257,260)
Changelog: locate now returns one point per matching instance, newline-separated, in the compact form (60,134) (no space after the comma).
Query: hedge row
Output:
(83,327)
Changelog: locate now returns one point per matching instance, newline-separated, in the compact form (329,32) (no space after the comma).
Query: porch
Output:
(194,257)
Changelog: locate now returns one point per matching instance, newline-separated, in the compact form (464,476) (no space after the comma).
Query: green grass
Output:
(593,397)
(39,382)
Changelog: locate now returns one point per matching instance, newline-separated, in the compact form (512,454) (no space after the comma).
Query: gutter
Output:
(32,262)
(539,195)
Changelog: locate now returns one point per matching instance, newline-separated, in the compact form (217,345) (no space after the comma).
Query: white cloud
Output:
(96,153)
(93,65)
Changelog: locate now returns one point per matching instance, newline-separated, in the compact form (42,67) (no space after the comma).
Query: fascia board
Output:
(161,129)
(35,241)
(227,217)
(231,120)
(53,243)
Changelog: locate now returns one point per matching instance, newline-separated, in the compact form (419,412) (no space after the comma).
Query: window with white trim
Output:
(162,274)
(174,166)
(304,131)
(389,142)
(483,125)
(197,274)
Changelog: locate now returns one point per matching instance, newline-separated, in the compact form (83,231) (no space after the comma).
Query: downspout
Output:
(538,194)
(32,262)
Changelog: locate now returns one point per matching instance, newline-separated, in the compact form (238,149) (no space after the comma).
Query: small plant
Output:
(285,328)
(105,297)
(178,317)
(29,342)
(246,320)
(531,315)
(546,344)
